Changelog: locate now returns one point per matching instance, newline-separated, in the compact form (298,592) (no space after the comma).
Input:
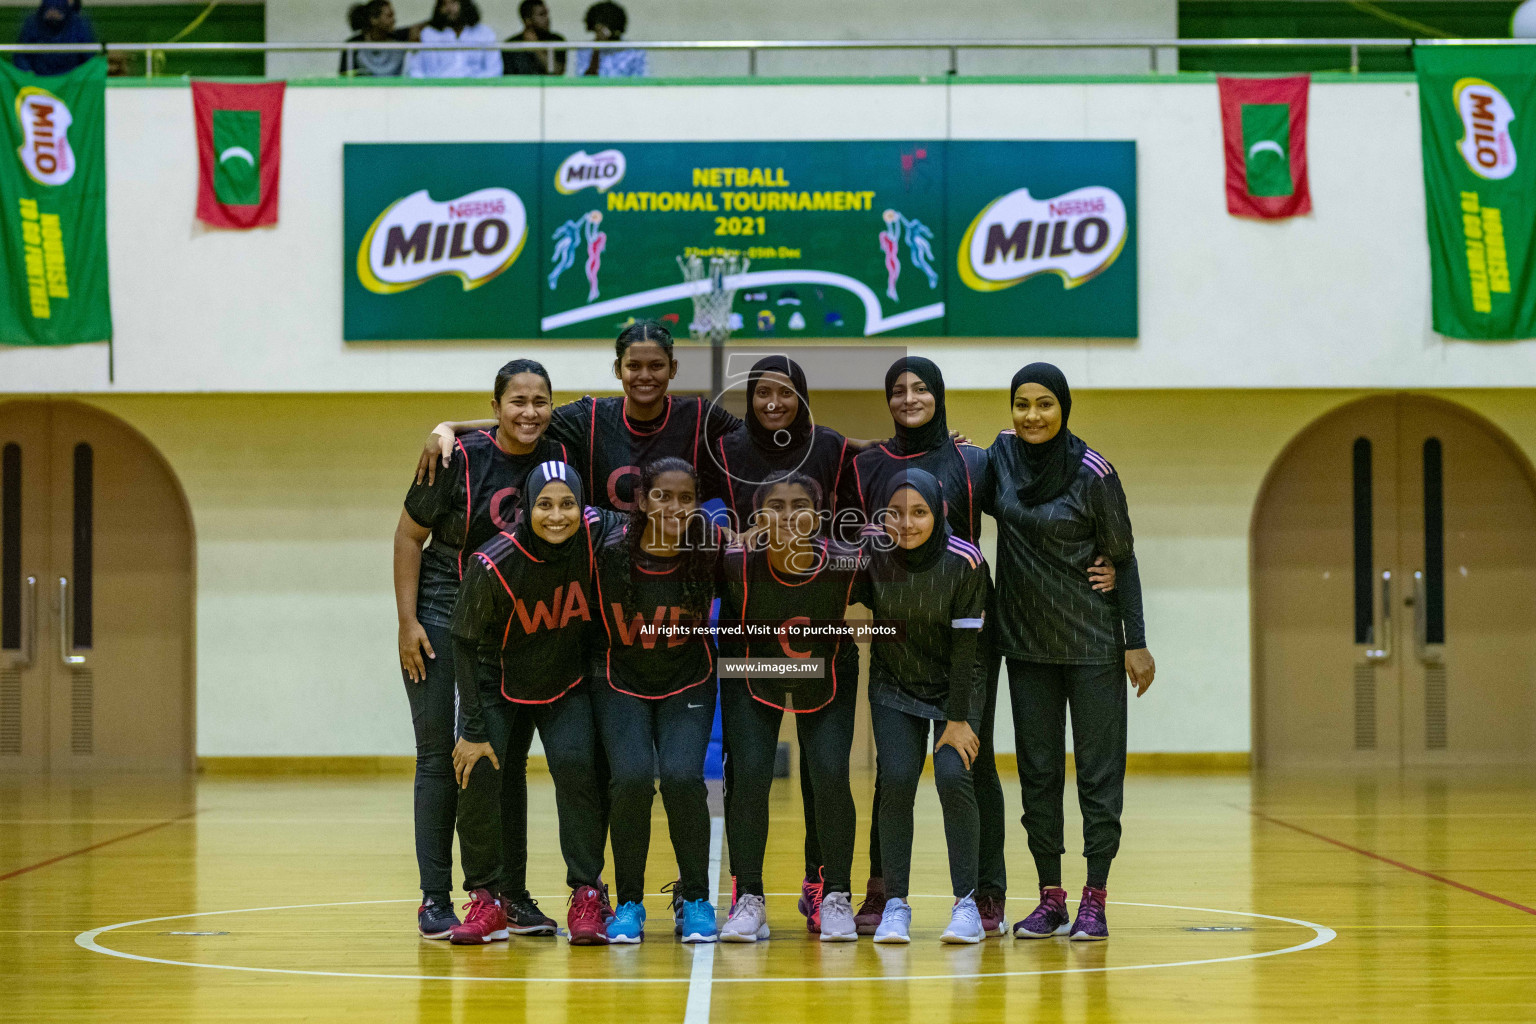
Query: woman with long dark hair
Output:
(441,526)
(655,704)
(797,578)
(452,22)
(520,635)
(1057,502)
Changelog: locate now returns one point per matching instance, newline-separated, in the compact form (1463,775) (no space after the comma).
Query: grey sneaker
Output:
(964,923)
(748,921)
(895,921)
(837,923)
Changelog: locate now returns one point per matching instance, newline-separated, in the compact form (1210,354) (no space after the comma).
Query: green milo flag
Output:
(53,214)
(1478,108)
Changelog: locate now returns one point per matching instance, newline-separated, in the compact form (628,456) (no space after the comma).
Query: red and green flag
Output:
(239,151)
(1264,128)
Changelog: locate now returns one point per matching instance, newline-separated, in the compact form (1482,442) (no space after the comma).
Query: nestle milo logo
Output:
(1076,235)
(1486,144)
(580,170)
(44,150)
(474,237)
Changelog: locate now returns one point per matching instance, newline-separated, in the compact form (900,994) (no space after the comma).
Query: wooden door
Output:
(1394,593)
(104,543)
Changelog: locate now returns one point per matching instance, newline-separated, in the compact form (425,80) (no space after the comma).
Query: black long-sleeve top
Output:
(1045,609)
(934,672)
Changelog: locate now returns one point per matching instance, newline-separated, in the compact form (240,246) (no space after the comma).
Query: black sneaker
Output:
(670,889)
(525,918)
(435,917)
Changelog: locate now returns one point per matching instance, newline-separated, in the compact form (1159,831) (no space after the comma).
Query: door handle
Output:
(1429,654)
(1384,652)
(28,625)
(67,628)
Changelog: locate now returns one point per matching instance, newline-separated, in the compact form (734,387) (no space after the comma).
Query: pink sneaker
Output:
(484,921)
(810,903)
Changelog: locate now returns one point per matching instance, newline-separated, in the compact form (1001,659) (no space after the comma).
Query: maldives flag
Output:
(1264,125)
(239,149)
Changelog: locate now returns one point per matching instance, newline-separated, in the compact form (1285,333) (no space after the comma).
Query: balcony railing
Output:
(751,48)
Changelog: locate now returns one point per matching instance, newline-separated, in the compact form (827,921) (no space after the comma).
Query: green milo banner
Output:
(843,239)
(53,216)
(437,241)
(1478,108)
(1044,239)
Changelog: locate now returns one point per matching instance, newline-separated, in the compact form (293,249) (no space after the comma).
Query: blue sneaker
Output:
(627,925)
(699,921)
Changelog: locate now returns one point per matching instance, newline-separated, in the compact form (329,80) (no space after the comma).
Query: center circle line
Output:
(1322,935)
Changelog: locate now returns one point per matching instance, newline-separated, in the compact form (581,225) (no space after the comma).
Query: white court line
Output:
(701,977)
(87,940)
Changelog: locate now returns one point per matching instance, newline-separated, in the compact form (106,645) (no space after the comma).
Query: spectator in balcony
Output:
(535,17)
(54,21)
(374,22)
(455,21)
(607,22)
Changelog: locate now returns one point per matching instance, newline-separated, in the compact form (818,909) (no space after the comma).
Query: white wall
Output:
(1339,298)
(673,20)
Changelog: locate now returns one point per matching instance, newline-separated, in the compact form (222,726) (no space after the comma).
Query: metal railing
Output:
(753,47)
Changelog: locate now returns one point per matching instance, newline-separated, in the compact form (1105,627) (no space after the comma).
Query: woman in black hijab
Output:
(914,391)
(520,633)
(923,692)
(777,437)
(1057,502)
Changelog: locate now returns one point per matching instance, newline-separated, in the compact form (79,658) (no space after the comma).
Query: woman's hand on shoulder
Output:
(439,448)
(1140,667)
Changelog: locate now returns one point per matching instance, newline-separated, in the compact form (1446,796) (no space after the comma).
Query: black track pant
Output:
(751,741)
(645,738)
(434,704)
(904,741)
(992,875)
(1096,695)
(991,809)
(570,746)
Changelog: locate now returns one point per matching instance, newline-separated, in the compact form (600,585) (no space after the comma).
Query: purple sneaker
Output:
(1091,925)
(1049,918)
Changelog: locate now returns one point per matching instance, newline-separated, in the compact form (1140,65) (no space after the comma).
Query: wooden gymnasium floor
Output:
(1390,897)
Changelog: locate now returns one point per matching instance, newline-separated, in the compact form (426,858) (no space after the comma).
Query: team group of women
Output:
(538,552)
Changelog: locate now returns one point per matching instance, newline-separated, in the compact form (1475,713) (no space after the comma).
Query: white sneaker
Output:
(895,922)
(748,921)
(837,918)
(964,923)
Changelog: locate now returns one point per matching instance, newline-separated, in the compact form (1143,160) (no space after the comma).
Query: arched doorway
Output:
(95,597)
(1394,591)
